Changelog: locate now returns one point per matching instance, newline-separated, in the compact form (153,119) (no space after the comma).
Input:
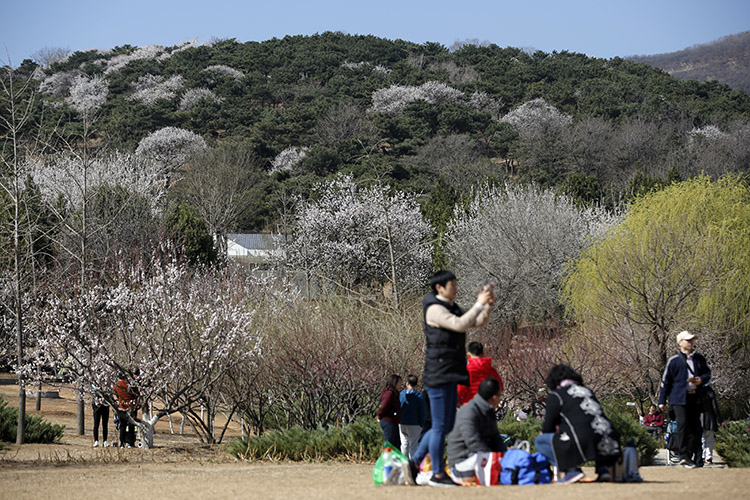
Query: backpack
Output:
(521,467)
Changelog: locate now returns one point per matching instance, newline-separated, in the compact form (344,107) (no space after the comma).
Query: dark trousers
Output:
(689,429)
(390,432)
(127,429)
(101,414)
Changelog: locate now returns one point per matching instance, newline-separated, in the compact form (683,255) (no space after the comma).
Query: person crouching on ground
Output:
(479,367)
(475,429)
(445,325)
(413,415)
(584,432)
(389,414)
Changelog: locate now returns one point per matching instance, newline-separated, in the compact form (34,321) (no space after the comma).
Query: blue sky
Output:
(601,28)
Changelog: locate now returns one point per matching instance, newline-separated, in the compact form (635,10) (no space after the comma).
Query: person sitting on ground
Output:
(480,368)
(413,415)
(389,414)
(475,429)
(654,421)
(584,434)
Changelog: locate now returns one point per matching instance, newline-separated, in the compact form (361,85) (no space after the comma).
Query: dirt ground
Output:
(180,467)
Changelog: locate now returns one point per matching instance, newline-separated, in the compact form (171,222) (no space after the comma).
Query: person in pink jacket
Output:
(480,368)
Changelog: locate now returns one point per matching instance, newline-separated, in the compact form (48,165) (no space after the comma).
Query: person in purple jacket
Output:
(389,414)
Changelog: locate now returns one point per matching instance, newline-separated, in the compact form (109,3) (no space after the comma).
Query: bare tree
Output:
(217,184)
(17,102)
(47,56)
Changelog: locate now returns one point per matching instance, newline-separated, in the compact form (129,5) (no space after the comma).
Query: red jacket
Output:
(390,408)
(654,420)
(125,396)
(479,369)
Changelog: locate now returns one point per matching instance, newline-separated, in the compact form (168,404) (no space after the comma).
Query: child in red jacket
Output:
(480,367)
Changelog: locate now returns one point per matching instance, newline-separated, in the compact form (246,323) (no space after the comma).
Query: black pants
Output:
(127,429)
(101,414)
(390,433)
(689,429)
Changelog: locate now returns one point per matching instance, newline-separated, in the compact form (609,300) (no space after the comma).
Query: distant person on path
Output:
(101,415)
(476,428)
(445,325)
(389,414)
(654,421)
(479,367)
(127,398)
(711,420)
(413,416)
(684,374)
(575,429)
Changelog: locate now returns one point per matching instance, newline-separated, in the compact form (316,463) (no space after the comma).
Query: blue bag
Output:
(520,467)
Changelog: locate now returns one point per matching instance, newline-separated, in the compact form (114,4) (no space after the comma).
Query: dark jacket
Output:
(390,407)
(711,417)
(413,407)
(475,430)
(674,384)
(445,350)
(585,432)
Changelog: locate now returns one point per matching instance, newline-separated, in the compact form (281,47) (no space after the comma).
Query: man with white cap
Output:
(686,372)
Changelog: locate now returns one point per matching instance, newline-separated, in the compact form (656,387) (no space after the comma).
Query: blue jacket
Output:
(413,407)
(674,380)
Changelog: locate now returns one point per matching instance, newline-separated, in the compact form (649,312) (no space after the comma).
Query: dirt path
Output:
(180,467)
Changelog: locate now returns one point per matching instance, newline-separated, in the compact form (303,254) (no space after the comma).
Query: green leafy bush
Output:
(733,444)
(37,429)
(526,430)
(360,440)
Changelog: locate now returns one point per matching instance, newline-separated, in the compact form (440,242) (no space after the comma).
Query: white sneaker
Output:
(96,444)
(106,444)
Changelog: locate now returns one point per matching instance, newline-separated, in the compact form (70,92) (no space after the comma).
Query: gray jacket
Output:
(475,430)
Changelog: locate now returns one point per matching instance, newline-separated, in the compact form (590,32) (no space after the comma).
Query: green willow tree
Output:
(680,259)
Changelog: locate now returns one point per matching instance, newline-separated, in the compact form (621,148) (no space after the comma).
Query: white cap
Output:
(684,335)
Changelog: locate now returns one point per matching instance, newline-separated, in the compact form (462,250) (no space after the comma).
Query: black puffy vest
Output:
(445,350)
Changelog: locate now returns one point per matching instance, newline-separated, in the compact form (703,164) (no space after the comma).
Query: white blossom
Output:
(88,94)
(191,98)
(150,88)
(395,98)
(709,132)
(59,84)
(342,237)
(535,117)
(226,71)
(67,179)
(169,147)
(521,238)
(147,52)
(287,159)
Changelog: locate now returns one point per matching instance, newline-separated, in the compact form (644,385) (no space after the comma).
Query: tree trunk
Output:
(81,414)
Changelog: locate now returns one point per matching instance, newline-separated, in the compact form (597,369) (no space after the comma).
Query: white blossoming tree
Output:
(183,328)
(359,236)
(169,148)
(287,159)
(191,98)
(521,238)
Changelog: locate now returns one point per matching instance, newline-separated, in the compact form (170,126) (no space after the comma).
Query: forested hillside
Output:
(419,116)
(726,60)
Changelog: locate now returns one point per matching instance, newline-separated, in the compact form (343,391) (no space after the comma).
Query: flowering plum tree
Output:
(169,148)
(287,159)
(191,97)
(360,236)
(521,238)
(184,328)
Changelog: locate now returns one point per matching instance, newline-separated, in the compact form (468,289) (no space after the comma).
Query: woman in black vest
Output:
(445,325)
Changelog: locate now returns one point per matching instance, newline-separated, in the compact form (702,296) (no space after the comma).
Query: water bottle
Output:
(387,463)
